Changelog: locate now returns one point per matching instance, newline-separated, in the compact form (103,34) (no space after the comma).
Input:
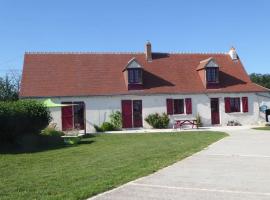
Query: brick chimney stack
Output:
(148,51)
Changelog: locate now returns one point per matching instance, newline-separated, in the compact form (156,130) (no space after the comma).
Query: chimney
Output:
(233,54)
(148,51)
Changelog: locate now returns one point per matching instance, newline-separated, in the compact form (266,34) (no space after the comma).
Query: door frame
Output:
(218,106)
(132,113)
(72,104)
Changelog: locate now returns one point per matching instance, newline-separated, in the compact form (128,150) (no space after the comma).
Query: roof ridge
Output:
(121,52)
(200,53)
(79,52)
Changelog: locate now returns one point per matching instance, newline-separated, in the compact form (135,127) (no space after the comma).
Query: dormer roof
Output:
(133,63)
(209,62)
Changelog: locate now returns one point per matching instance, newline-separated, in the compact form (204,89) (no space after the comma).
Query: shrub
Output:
(199,121)
(116,120)
(51,131)
(107,126)
(72,140)
(158,121)
(23,117)
(97,128)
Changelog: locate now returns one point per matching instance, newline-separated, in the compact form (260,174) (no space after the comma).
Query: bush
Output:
(199,121)
(116,120)
(97,128)
(158,121)
(22,117)
(51,131)
(107,126)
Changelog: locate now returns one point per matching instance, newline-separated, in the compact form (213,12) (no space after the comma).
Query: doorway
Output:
(132,113)
(215,111)
(73,116)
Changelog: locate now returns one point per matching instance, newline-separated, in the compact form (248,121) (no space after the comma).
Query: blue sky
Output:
(123,25)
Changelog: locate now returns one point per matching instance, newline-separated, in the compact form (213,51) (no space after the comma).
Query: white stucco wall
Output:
(98,108)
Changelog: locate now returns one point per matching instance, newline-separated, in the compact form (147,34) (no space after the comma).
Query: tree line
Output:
(261,79)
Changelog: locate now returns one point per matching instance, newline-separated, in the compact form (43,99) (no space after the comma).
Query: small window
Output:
(212,74)
(178,106)
(134,76)
(235,104)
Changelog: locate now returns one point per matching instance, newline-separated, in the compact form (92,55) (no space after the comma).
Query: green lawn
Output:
(98,164)
(265,128)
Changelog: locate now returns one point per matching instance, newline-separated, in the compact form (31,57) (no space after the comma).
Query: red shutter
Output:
(245,104)
(127,113)
(227,105)
(169,106)
(188,106)
(67,117)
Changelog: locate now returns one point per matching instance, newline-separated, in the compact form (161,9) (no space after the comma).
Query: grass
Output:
(99,163)
(265,128)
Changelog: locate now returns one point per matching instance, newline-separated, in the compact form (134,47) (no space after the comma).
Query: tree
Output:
(261,79)
(10,86)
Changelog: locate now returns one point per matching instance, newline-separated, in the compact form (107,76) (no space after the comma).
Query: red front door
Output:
(137,113)
(127,113)
(67,117)
(215,111)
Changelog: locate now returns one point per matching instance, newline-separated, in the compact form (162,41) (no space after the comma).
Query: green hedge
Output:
(23,117)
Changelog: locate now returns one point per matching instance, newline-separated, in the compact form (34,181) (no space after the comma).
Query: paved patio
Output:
(235,168)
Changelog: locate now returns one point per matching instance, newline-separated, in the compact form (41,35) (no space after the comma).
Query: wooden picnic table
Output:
(178,123)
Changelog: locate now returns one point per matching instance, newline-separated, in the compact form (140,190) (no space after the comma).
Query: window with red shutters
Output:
(232,104)
(169,103)
(176,106)
(245,104)
(188,105)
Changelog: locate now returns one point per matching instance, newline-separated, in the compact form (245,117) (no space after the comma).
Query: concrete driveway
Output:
(235,168)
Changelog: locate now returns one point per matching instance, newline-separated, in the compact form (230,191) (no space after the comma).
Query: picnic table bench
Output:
(178,123)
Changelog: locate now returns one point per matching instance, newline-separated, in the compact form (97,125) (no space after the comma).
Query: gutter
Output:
(261,95)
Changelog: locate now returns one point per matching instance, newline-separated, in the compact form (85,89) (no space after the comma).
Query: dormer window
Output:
(134,76)
(208,70)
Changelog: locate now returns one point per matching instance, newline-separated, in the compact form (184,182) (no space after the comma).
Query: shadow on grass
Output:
(40,143)
(89,135)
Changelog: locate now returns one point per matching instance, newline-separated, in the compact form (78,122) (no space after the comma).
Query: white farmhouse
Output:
(213,85)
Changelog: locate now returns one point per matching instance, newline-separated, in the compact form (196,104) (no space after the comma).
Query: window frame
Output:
(212,75)
(235,105)
(186,104)
(181,109)
(134,76)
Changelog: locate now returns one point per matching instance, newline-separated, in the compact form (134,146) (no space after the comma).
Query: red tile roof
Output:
(83,74)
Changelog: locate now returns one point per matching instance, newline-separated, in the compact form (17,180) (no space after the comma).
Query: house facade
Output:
(183,85)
